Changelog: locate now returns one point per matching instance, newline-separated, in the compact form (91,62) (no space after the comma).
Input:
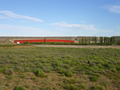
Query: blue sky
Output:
(59,17)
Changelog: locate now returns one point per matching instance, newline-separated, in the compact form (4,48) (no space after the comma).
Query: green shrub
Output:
(92,73)
(96,88)
(71,81)
(19,88)
(59,69)
(46,88)
(71,87)
(68,73)
(81,87)
(47,69)
(94,78)
(39,73)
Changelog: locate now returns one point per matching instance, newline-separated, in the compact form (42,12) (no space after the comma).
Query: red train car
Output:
(42,40)
(57,40)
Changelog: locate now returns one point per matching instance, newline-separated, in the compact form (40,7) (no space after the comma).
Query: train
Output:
(83,40)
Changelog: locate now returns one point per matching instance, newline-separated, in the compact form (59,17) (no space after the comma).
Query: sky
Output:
(59,18)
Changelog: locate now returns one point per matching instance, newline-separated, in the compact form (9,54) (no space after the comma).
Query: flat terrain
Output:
(56,67)
(80,46)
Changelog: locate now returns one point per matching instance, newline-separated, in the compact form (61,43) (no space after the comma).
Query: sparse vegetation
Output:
(19,88)
(62,68)
(96,88)
(71,81)
(71,87)
(68,73)
(39,73)
(12,45)
(94,78)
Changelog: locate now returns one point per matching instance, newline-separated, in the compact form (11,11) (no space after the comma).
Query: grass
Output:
(68,73)
(12,45)
(62,68)
(39,73)
(19,88)
(94,78)
(96,88)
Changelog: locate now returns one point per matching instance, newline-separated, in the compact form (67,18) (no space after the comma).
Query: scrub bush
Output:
(94,78)
(71,87)
(96,88)
(39,73)
(19,88)
(71,81)
(68,73)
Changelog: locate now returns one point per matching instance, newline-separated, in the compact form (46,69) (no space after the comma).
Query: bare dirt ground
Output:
(79,46)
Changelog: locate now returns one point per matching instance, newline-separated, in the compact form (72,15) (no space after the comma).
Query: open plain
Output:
(59,67)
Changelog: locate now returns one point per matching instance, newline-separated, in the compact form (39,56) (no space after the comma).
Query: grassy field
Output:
(55,68)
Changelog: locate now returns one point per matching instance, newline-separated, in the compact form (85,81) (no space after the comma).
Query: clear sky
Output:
(59,17)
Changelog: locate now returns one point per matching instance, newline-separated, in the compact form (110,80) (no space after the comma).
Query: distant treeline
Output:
(99,41)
